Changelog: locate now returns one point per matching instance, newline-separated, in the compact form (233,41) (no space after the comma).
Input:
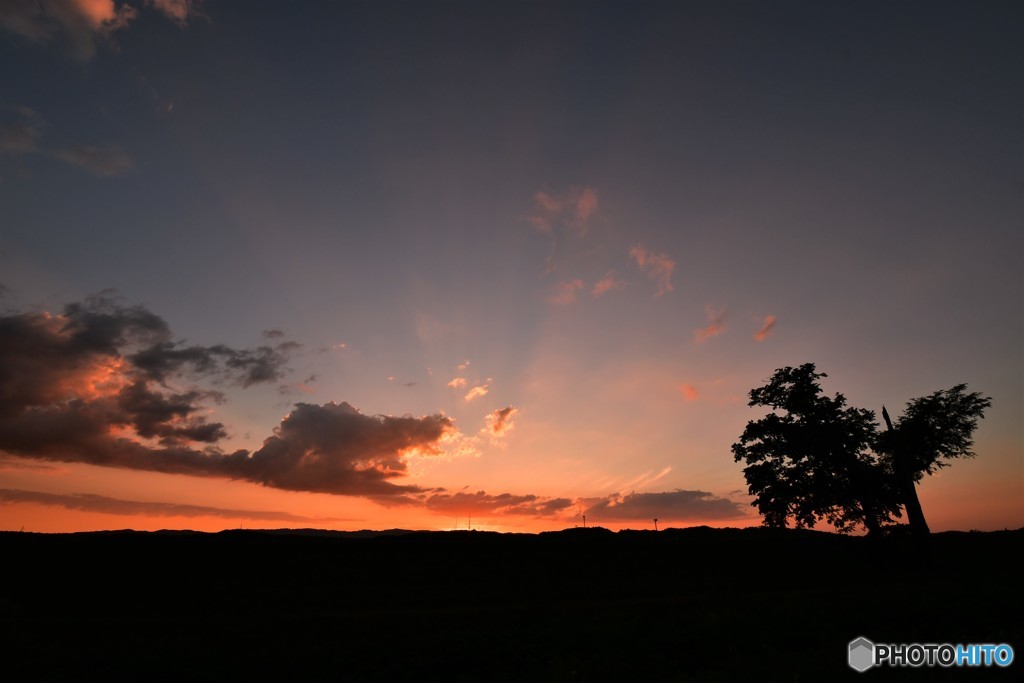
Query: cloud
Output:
(481,503)
(333,448)
(102,383)
(678,505)
(767,327)
(564,293)
(563,217)
(476,392)
(584,206)
(571,211)
(20,129)
(18,138)
(82,22)
(689,392)
(463,365)
(178,11)
(90,502)
(607,284)
(658,267)
(109,160)
(499,422)
(716,325)
(457,382)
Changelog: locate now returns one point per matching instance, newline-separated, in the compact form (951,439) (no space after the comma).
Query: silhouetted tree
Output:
(810,459)
(813,458)
(932,429)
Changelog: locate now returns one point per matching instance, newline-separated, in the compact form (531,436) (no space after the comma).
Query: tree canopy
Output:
(813,458)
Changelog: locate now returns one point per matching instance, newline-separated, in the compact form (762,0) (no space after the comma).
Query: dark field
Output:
(580,605)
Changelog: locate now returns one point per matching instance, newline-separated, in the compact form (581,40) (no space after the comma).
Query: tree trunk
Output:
(911,503)
(907,485)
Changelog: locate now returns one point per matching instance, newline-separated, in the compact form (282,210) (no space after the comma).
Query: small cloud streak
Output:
(18,138)
(499,422)
(565,292)
(572,210)
(90,502)
(607,284)
(108,160)
(677,506)
(476,392)
(689,392)
(716,325)
(483,504)
(767,327)
(457,382)
(658,268)
(178,11)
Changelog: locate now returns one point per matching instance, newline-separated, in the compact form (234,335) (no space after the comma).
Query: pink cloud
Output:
(82,21)
(177,10)
(766,328)
(457,382)
(678,506)
(586,206)
(716,325)
(572,211)
(689,392)
(565,292)
(658,267)
(606,284)
(476,392)
(482,503)
(499,422)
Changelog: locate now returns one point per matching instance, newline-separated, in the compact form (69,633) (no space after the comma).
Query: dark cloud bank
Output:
(101,384)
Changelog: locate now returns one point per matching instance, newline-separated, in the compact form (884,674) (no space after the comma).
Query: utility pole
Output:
(655,523)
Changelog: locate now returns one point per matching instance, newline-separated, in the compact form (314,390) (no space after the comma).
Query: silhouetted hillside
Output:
(581,604)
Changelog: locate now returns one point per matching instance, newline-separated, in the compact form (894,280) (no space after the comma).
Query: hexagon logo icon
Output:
(861,654)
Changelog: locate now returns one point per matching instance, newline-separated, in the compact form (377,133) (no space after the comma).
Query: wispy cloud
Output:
(572,210)
(81,22)
(499,422)
(564,293)
(180,11)
(607,284)
(483,504)
(715,327)
(107,160)
(689,392)
(767,327)
(457,382)
(658,267)
(90,502)
(20,130)
(675,506)
(476,392)
(22,136)
(18,138)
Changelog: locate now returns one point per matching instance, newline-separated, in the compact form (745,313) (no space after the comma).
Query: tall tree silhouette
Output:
(813,458)
(932,430)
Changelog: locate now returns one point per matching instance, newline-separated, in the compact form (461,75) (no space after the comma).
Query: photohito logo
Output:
(862,654)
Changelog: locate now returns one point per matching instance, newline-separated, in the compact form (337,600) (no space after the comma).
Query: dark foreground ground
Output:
(580,605)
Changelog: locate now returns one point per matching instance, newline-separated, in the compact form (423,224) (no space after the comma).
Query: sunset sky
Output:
(395,264)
